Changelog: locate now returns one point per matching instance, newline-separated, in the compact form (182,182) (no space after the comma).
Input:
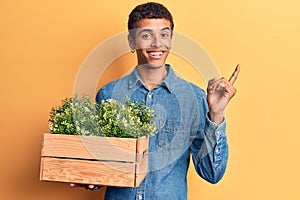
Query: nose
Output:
(156,42)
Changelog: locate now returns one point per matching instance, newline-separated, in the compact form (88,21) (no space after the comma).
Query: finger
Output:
(211,81)
(222,84)
(234,76)
(76,185)
(91,186)
(72,184)
(215,85)
(212,84)
(230,91)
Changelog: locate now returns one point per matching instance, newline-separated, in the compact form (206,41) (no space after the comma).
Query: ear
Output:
(131,42)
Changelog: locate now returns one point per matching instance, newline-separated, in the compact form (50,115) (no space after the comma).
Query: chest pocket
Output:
(171,134)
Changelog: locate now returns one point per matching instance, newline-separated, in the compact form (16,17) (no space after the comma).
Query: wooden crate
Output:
(94,160)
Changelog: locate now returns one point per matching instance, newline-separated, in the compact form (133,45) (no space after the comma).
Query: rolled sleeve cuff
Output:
(216,130)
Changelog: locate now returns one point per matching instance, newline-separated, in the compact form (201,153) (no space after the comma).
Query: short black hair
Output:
(150,10)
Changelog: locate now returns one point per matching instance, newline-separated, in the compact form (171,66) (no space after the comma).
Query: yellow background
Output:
(43,43)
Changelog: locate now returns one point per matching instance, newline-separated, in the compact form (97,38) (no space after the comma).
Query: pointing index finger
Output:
(234,75)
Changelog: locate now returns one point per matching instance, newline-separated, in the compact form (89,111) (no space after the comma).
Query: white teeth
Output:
(156,53)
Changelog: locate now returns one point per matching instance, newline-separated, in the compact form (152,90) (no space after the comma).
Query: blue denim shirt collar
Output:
(169,82)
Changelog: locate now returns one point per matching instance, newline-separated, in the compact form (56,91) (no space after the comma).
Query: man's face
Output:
(152,42)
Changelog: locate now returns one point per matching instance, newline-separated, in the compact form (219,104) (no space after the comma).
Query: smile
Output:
(155,54)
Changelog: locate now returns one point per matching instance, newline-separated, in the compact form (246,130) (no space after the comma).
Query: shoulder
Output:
(180,85)
(187,85)
(107,90)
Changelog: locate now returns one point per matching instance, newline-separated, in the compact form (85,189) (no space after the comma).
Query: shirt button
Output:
(140,197)
(149,96)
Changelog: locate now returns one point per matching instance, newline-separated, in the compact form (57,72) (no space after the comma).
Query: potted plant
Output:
(104,144)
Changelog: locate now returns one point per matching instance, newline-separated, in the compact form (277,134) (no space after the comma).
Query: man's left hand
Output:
(219,93)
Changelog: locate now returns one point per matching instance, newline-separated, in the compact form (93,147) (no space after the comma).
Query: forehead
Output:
(156,23)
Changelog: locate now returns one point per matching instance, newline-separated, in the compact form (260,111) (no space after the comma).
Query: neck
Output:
(152,76)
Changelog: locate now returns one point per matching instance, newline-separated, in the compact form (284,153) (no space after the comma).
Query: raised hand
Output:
(219,93)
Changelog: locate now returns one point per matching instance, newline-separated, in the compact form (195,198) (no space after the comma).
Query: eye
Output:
(165,35)
(146,36)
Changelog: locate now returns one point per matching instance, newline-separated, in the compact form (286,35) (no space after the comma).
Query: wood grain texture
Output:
(95,160)
(141,170)
(88,172)
(92,147)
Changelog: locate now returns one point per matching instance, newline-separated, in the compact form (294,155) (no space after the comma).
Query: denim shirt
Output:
(184,130)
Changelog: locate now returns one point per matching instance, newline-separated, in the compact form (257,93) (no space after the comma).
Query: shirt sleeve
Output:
(209,147)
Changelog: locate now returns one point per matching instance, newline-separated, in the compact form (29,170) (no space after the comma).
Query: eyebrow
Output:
(151,30)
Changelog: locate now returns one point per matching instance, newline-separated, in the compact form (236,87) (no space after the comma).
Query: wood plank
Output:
(88,172)
(141,170)
(65,158)
(142,145)
(142,148)
(92,147)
